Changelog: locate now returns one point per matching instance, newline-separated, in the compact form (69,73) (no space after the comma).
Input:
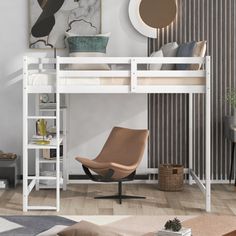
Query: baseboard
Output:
(138,179)
(84,177)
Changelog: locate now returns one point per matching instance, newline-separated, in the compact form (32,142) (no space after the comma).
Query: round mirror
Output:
(149,15)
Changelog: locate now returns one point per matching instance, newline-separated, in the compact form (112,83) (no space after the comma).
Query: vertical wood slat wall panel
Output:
(214,21)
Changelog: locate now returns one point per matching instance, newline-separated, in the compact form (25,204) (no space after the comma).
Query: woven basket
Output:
(171,177)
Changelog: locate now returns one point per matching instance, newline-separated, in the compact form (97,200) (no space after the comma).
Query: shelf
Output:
(45,178)
(50,107)
(44,186)
(42,178)
(42,117)
(52,145)
(53,161)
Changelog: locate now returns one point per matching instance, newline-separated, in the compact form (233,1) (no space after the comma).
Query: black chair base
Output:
(120,196)
(108,179)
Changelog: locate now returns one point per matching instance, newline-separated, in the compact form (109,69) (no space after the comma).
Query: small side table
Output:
(8,170)
(230,134)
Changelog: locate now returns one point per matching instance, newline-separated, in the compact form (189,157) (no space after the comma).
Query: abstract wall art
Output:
(50,19)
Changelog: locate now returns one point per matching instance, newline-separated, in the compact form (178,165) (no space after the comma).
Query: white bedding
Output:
(49,79)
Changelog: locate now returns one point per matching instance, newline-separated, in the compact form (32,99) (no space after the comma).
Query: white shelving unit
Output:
(31,182)
(41,162)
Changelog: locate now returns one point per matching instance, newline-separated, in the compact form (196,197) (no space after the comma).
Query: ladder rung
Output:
(50,208)
(42,117)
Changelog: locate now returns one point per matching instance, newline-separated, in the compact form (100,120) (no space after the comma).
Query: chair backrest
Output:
(124,146)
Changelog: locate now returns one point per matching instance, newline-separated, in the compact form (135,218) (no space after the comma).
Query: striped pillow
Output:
(88,46)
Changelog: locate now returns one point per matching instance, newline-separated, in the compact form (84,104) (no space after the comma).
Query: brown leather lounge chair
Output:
(118,160)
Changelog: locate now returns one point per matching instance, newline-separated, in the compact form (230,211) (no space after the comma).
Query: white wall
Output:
(85,108)
(125,40)
(92,118)
(13,45)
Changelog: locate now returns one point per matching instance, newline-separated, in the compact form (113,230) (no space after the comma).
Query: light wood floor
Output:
(79,200)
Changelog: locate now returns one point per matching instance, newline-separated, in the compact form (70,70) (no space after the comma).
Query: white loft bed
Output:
(41,77)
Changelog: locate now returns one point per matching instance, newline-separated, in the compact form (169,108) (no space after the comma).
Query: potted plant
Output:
(231,99)
(174,228)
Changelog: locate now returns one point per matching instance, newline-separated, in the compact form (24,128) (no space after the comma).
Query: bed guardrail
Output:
(60,65)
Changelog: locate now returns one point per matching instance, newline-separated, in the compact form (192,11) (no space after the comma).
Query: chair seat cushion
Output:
(102,168)
(93,164)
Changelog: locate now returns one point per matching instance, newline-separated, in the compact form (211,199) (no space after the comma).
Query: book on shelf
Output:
(50,154)
(50,105)
(38,137)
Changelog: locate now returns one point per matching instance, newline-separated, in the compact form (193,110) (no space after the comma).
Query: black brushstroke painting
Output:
(46,20)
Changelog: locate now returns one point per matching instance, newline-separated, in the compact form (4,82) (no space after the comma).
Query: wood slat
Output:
(213,21)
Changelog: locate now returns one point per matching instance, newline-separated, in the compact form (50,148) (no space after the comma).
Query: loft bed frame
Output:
(137,81)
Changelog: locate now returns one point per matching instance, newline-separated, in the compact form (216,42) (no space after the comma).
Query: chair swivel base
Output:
(120,197)
(107,179)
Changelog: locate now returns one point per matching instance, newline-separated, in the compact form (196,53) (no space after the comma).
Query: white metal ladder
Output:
(28,187)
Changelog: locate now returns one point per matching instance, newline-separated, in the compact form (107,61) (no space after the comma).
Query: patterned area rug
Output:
(203,225)
(30,225)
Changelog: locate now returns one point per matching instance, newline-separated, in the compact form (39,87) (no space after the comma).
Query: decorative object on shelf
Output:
(41,129)
(147,16)
(52,130)
(44,98)
(49,182)
(174,228)
(50,19)
(171,177)
(231,99)
(50,154)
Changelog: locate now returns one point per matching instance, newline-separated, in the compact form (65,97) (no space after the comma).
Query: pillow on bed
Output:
(84,228)
(198,51)
(156,66)
(185,50)
(169,50)
(88,46)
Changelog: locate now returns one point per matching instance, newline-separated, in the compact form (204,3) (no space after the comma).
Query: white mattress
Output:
(48,79)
